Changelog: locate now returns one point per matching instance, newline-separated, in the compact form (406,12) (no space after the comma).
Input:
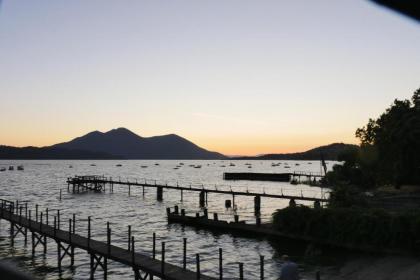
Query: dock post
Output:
(58,219)
(318,275)
(197,260)
(129,189)
(46,216)
(257,205)
(108,239)
(261,267)
(163,258)
(206,195)
(143,191)
(33,243)
(236,217)
(58,255)
(241,271)
(36,213)
(12,233)
(233,202)
(184,259)
(258,221)
(176,209)
(70,231)
(133,259)
(60,194)
(72,247)
(182,195)
(154,245)
(55,226)
(202,199)
(159,193)
(88,233)
(206,213)
(220,263)
(129,237)
(215,216)
(183,212)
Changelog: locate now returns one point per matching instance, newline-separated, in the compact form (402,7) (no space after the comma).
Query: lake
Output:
(41,181)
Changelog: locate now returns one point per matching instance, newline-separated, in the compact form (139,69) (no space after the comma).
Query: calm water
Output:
(41,181)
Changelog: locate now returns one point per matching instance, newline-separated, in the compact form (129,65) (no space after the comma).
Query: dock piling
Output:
(220,263)
(154,245)
(163,259)
(129,237)
(184,259)
(197,261)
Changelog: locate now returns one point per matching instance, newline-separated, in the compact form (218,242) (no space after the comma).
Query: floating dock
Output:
(273,177)
(251,176)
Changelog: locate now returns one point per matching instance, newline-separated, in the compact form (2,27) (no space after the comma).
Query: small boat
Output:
(20,167)
(222,165)
(143,166)
(119,165)
(181,163)
(197,166)
(156,164)
(309,162)
(231,164)
(287,166)
(93,164)
(11,167)
(297,164)
(3,169)
(70,166)
(176,168)
(249,166)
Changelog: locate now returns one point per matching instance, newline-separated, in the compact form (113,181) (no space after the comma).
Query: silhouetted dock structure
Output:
(252,176)
(274,177)
(144,267)
(94,183)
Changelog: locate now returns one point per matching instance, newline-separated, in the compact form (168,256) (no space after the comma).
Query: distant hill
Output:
(8,152)
(123,143)
(329,152)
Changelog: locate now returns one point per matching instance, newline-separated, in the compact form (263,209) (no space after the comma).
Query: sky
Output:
(235,76)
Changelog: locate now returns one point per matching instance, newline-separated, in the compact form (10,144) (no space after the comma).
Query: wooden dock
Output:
(258,230)
(252,176)
(92,183)
(144,267)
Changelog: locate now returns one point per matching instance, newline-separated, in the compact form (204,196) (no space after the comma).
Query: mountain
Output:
(329,152)
(123,143)
(8,152)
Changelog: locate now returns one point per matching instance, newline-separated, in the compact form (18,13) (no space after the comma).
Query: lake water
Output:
(41,181)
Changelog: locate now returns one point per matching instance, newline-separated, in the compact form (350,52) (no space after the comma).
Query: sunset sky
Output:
(233,76)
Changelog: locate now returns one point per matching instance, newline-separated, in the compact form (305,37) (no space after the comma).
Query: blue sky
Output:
(239,77)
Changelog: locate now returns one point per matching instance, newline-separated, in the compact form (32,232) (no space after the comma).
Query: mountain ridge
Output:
(124,143)
(121,143)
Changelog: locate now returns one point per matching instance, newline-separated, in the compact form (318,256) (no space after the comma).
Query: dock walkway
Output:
(100,251)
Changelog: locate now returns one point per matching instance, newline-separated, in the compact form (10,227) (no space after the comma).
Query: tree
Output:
(395,135)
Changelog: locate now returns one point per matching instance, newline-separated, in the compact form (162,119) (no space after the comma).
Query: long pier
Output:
(99,183)
(144,267)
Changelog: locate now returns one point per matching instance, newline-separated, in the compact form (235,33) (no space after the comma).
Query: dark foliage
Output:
(389,152)
(359,227)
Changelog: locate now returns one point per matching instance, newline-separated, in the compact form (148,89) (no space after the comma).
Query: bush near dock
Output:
(358,228)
